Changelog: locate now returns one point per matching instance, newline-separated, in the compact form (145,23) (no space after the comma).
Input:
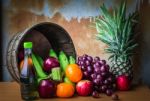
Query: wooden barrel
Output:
(43,36)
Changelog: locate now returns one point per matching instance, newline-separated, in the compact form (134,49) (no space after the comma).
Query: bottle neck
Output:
(28,51)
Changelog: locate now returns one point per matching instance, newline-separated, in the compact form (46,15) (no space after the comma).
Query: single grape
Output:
(96,81)
(106,82)
(103,88)
(103,74)
(93,61)
(90,58)
(89,69)
(103,62)
(84,58)
(85,55)
(95,94)
(83,68)
(96,87)
(97,58)
(97,64)
(80,58)
(86,74)
(114,86)
(110,86)
(103,68)
(87,62)
(97,70)
(115,97)
(99,77)
(81,63)
(109,92)
(107,67)
(93,76)
(110,79)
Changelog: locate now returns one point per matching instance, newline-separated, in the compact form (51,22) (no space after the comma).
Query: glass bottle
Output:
(28,81)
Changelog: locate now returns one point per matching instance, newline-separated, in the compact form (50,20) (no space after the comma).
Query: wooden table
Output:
(9,91)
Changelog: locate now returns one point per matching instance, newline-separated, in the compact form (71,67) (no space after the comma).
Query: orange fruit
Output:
(29,61)
(65,90)
(74,73)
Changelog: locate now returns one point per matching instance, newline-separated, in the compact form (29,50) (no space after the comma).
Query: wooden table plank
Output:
(10,91)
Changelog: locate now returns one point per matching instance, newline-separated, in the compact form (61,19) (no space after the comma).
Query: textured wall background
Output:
(75,16)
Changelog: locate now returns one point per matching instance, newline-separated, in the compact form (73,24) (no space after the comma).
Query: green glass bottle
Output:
(28,80)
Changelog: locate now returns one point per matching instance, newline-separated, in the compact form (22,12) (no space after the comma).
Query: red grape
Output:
(97,71)
(99,77)
(89,69)
(84,58)
(97,58)
(103,62)
(103,88)
(79,58)
(103,69)
(96,81)
(87,62)
(83,68)
(86,74)
(90,58)
(95,94)
(106,82)
(109,92)
(81,63)
(93,76)
(98,64)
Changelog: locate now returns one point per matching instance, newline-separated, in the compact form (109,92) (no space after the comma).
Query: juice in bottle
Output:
(28,80)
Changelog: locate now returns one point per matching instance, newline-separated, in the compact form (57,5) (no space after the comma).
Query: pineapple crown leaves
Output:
(116,30)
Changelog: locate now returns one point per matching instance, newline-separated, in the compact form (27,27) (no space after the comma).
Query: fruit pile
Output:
(59,75)
(56,75)
(97,71)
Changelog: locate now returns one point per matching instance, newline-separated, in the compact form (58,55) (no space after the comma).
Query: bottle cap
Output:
(27,44)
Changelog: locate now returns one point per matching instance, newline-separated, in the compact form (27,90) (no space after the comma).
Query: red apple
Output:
(84,87)
(123,83)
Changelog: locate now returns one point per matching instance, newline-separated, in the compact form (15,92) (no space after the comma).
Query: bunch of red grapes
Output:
(97,71)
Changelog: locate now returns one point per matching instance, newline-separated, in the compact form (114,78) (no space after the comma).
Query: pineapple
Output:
(116,30)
